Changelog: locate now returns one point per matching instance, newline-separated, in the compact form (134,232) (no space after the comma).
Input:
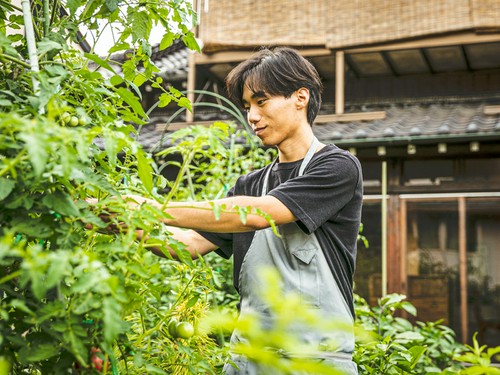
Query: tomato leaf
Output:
(190,41)
(141,25)
(192,301)
(154,370)
(57,268)
(116,80)
(75,344)
(46,45)
(112,319)
(35,145)
(119,47)
(61,203)
(6,187)
(99,61)
(32,227)
(131,100)
(112,5)
(145,171)
(73,5)
(217,210)
(184,102)
(166,41)
(38,352)
(164,100)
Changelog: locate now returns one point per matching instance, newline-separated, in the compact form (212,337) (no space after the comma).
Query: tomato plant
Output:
(70,296)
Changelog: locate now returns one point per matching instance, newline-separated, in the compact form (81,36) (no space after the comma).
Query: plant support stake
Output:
(30,39)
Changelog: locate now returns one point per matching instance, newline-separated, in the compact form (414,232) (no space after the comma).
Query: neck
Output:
(295,148)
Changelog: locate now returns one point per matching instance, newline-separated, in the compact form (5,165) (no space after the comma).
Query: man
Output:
(313,192)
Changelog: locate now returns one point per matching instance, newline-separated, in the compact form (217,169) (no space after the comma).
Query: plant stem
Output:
(55,8)
(180,175)
(30,39)
(190,183)
(8,4)
(13,275)
(46,17)
(15,59)
(14,161)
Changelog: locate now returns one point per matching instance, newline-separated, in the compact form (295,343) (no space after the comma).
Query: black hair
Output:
(277,72)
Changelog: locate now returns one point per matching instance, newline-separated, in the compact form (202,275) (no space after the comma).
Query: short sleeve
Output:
(329,182)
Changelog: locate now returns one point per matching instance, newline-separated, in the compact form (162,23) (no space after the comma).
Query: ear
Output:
(302,98)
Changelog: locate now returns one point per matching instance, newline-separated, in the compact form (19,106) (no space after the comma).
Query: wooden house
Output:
(413,89)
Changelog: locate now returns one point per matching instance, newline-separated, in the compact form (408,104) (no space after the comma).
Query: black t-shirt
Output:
(326,200)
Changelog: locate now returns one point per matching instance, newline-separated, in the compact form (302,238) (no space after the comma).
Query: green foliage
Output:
(479,358)
(388,344)
(66,291)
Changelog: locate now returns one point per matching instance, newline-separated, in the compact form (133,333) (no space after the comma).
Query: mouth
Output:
(259,130)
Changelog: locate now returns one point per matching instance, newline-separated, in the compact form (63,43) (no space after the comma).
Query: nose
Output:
(253,115)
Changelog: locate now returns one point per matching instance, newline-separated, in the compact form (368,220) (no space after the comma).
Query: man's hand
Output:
(108,216)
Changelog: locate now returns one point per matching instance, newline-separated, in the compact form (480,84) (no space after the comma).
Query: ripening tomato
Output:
(97,362)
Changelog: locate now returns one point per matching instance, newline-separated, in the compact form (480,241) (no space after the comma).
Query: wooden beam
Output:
(348,117)
(180,125)
(438,41)
(237,56)
(491,109)
(322,119)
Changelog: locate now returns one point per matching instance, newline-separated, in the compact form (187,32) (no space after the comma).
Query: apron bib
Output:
(304,270)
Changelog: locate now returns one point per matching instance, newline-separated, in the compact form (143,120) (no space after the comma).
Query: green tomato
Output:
(184,330)
(74,121)
(172,327)
(66,117)
(4,366)
(82,121)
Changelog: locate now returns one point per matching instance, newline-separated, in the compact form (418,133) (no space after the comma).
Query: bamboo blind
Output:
(233,24)
(251,23)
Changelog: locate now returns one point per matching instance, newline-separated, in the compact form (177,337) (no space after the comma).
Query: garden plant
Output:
(76,298)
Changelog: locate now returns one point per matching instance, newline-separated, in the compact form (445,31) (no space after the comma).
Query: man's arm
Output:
(197,245)
(200,215)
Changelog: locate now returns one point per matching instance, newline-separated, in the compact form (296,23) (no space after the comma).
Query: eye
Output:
(261,101)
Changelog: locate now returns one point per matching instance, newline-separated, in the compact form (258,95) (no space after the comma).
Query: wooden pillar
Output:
(394,260)
(394,256)
(462,256)
(403,246)
(191,86)
(384,224)
(339,82)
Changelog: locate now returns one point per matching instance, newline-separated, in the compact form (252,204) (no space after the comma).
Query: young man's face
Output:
(273,118)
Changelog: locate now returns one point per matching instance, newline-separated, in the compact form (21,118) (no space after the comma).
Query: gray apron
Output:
(302,265)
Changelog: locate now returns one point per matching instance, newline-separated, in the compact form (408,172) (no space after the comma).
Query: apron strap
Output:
(309,155)
(303,165)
